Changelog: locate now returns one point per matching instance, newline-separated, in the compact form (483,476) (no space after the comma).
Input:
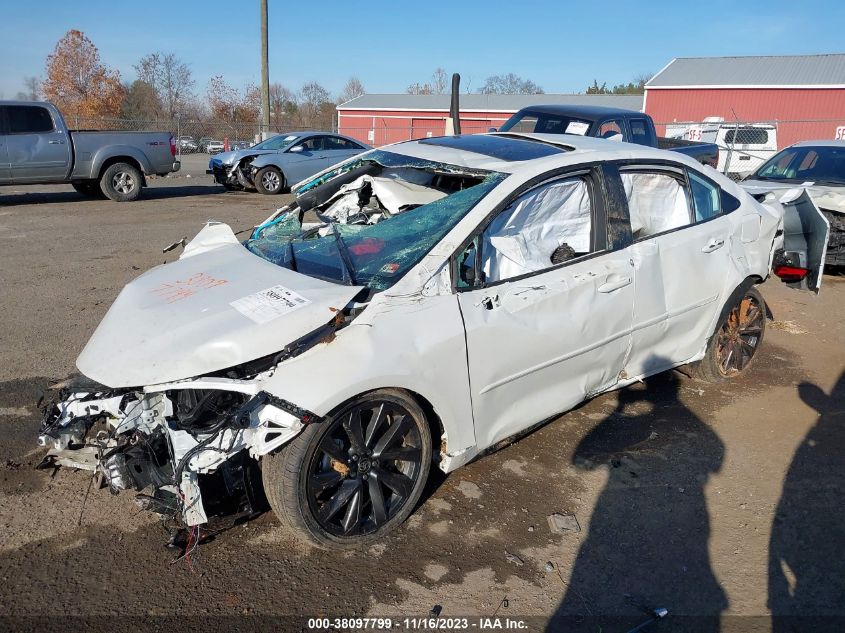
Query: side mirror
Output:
(296,149)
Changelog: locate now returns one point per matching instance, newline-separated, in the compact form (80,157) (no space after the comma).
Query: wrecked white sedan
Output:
(418,304)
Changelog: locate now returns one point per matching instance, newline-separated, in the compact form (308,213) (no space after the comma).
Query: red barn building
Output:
(803,94)
(378,119)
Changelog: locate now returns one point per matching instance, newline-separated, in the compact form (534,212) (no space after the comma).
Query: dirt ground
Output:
(722,504)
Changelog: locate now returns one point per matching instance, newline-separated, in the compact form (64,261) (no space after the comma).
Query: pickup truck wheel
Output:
(734,345)
(121,182)
(269,181)
(351,478)
(88,189)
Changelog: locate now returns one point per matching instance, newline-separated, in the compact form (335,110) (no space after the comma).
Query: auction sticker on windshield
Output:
(270,303)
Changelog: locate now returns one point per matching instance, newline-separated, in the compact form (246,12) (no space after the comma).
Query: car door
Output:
(682,267)
(542,336)
(5,172)
(304,159)
(38,150)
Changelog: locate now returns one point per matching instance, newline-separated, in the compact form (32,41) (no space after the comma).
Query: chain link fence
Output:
(193,135)
(743,145)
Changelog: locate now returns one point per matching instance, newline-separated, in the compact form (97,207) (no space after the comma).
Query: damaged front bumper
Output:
(186,448)
(237,175)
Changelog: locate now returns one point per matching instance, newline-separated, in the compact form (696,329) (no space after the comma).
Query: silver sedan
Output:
(274,165)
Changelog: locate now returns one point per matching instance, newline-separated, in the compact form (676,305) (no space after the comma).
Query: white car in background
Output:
(743,147)
(214,147)
(818,167)
(453,292)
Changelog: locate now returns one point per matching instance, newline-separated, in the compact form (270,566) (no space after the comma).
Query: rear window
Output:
(639,132)
(747,136)
(29,119)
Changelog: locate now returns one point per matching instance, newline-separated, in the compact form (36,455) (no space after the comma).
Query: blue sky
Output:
(560,45)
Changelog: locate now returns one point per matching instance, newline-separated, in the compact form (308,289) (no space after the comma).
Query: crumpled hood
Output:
(234,156)
(217,306)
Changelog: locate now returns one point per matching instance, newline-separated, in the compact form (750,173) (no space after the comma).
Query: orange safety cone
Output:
(226,144)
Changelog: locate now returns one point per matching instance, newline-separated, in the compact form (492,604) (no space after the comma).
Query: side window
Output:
(29,119)
(746,136)
(657,202)
(611,130)
(706,198)
(639,131)
(544,227)
(335,142)
(313,144)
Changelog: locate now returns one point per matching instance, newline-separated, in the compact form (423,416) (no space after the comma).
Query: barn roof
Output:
(486,103)
(781,71)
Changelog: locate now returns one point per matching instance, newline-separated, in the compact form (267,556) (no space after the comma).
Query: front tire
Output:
(733,347)
(121,182)
(269,181)
(357,475)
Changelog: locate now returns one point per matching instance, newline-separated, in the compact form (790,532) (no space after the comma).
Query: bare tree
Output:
(439,81)
(510,84)
(312,100)
(170,77)
(436,86)
(283,106)
(32,86)
(353,88)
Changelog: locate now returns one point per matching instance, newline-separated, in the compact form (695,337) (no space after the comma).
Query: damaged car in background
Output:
(818,167)
(272,166)
(418,305)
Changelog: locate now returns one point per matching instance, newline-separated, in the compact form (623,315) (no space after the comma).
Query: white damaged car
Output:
(417,305)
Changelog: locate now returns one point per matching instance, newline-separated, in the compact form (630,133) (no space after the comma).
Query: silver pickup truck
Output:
(36,147)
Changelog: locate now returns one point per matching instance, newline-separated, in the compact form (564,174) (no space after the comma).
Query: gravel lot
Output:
(681,490)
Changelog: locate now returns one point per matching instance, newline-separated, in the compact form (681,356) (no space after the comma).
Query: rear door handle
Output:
(614,282)
(713,245)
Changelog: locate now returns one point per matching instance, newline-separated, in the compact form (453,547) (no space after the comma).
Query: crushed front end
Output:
(188,451)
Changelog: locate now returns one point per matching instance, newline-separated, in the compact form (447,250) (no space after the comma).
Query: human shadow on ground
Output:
(647,541)
(807,544)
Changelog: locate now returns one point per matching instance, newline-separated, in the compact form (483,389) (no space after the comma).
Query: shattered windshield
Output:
(277,142)
(374,218)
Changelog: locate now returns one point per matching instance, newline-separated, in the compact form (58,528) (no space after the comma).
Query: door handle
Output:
(56,142)
(614,282)
(713,245)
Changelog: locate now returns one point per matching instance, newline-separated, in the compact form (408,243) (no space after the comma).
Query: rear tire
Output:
(122,182)
(350,479)
(733,347)
(269,181)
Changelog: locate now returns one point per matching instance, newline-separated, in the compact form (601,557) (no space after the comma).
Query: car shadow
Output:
(646,547)
(806,548)
(72,197)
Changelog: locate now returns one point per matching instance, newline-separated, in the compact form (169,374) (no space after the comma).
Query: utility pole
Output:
(265,75)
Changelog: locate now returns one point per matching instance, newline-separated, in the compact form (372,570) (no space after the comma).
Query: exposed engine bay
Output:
(183,451)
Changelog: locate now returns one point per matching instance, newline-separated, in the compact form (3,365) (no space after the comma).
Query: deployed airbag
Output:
(523,238)
(656,202)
